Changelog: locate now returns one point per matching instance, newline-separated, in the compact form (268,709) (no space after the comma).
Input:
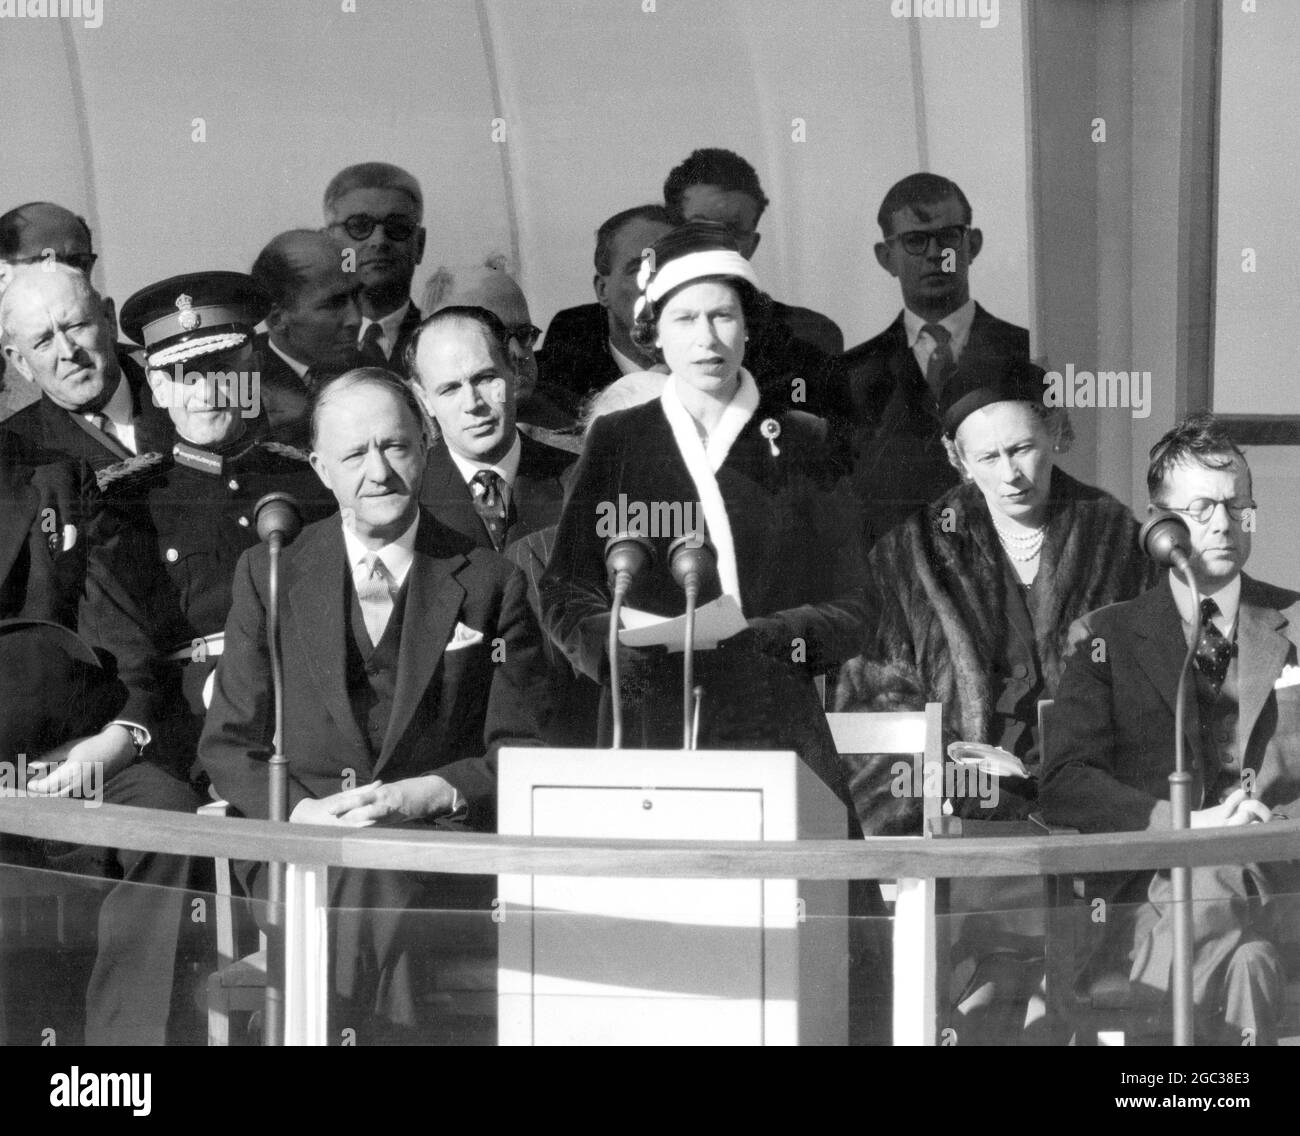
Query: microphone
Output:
(1167,540)
(278,514)
(278,518)
(626,555)
(690,559)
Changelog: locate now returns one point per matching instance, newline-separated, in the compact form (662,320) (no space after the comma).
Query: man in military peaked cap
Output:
(195,503)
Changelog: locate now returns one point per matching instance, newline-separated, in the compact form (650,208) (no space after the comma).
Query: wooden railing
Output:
(415,849)
(309,849)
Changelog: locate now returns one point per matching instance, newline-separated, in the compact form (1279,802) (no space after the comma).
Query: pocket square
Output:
(1290,676)
(463,636)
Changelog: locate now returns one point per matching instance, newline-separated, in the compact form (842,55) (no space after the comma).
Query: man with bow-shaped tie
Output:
(1112,745)
(410,657)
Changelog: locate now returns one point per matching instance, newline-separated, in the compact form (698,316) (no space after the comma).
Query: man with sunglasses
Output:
(1107,769)
(373,211)
(896,380)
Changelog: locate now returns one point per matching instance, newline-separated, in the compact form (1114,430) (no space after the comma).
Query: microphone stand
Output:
(278,778)
(689,556)
(626,553)
(1180,800)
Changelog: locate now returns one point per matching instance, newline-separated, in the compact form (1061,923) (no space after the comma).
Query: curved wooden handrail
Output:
(413,849)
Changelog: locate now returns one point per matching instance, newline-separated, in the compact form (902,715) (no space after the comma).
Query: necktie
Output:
(941,363)
(104,424)
(375,588)
(490,504)
(372,347)
(1213,651)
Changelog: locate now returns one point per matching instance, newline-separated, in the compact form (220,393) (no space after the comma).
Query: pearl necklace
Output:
(1022,548)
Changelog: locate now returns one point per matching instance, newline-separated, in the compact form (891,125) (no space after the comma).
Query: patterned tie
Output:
(1213,651)
(372,347)
(941,363)
(490,504)
(375,591)
(104,424)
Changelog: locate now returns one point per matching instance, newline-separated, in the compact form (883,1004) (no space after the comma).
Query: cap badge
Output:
(189,319)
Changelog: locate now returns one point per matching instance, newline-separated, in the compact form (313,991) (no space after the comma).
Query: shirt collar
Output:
(958,325)
(118,408)
(625,364)
(387,324)
(299,369)
(507,468)
(1228,598)
(397,556)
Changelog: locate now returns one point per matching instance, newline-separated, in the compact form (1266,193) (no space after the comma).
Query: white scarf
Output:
(703,462)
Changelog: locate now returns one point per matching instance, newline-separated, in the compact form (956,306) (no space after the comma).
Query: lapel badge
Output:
(770,428)
(189,319)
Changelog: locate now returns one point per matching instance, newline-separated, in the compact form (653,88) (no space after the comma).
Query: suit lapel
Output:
(1262,650)
(317,617)
(18,505)
(433,602)
(1160,647)
(448,497)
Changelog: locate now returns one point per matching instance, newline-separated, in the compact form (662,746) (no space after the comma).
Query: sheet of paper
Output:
(714,622)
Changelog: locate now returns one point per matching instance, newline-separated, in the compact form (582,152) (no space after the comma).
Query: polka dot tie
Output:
(1213,651)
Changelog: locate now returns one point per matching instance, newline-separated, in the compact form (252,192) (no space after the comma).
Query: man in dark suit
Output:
(492,482)
(311,325)
(94,405)
(89,716)
(1113,743)
(893,383)
(409,659)
(373,211)
(485,477)
(590,346)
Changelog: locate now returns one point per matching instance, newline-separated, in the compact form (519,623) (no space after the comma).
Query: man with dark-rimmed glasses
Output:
(373,211)
(895,381)
(1113,727)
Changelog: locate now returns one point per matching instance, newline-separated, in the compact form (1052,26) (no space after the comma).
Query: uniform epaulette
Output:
(285,450)
(113,479)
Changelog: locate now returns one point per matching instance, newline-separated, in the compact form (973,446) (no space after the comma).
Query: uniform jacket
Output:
(452,709)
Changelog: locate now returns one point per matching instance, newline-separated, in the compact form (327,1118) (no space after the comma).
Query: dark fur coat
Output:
(938,577)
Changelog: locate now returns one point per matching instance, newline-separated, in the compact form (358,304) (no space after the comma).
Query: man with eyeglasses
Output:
(311,325)
(373,211)
(542,408)
(895,381)
(1113,733)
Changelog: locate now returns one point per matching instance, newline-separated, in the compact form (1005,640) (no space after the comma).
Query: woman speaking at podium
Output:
(746,470)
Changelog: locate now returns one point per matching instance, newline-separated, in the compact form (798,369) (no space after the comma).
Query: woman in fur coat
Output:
(713,456)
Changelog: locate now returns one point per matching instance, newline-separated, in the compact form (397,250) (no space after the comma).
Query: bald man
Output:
(60,336)
(311,327)
(539,406)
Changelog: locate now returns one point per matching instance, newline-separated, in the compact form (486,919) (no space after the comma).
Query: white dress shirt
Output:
(118,412)
(957,323)
(1228,598)
(388,326)
(507,469)
(397,556)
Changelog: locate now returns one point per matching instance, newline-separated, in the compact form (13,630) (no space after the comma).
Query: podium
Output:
(622,961)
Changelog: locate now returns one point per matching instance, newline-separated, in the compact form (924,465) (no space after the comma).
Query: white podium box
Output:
(620,961)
